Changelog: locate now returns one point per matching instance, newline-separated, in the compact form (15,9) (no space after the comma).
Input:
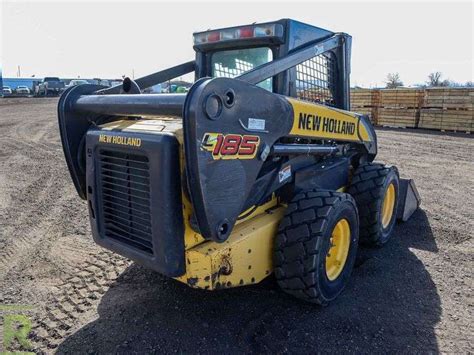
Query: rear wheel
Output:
(316,245)
(375,188)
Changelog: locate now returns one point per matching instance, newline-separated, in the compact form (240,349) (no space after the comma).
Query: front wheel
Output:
(316,245)
(375,188)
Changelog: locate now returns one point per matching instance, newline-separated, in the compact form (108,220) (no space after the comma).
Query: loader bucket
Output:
(409,199)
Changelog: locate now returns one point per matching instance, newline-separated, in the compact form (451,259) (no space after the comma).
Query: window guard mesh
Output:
(240,68)
(315,79)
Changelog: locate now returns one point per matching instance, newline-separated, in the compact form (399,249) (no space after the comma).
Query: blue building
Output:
(13,83)
(1,83)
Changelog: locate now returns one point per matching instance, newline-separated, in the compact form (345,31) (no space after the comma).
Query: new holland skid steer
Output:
(259,168)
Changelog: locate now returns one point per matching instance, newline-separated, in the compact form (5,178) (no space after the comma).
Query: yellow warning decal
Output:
(130,141)
(319,121)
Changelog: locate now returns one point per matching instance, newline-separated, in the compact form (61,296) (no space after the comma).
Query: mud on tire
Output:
(304,239)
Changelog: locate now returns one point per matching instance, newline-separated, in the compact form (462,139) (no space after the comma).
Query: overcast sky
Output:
(111,39)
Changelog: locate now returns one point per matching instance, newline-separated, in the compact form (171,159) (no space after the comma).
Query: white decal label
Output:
(256,124)
(284,174)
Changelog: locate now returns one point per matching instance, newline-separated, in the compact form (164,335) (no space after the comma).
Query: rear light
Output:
(257,31)
(246,32)
(213,36)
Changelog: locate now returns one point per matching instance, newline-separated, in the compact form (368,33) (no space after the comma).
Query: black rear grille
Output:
(125,195)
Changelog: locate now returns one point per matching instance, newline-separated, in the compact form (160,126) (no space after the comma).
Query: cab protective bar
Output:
(131,105)
(155,78)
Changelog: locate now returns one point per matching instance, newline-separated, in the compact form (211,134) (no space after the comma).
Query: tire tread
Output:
(367,188)
(299,241)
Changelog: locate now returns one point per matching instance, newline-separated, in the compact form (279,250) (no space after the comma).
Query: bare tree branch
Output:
(393,81)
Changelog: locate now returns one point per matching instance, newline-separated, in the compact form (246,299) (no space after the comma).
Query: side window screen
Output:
(232,63)
(316,80)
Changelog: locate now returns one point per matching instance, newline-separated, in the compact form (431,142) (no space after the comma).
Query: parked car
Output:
(49,86)
(77,82)
(7,91)
(115,83)
(104,82)
(23,90)
(99,81)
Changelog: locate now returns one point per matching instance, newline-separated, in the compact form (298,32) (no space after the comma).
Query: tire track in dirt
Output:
(35,133)
(35,207)
(32,135)
(20,145)
(79,294)
(70,274)
(27,237)
(43,211)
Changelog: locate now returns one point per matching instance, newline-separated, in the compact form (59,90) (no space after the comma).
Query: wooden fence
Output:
(449,109)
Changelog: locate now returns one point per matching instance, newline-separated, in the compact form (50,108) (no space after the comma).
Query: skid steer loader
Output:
(259,168)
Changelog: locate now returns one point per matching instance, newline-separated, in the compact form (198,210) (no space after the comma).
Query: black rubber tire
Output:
(303,241)
(368,187)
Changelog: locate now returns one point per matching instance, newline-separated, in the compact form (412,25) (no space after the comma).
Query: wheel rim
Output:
(387,206)
(337,254)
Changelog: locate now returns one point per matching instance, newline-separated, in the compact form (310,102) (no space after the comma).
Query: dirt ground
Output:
(413,295)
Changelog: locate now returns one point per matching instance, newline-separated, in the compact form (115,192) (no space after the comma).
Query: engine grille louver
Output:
(125,194)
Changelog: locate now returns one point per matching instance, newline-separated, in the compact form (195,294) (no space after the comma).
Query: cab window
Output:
(232,63)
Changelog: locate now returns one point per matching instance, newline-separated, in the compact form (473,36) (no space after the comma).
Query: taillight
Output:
(246,32)
(213,36)
(255,31)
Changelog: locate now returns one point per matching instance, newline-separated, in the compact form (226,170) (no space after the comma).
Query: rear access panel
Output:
(134,196)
